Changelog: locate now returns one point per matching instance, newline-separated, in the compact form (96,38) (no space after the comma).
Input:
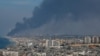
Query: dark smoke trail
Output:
(59,9)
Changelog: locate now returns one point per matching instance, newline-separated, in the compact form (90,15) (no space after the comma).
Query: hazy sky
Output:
(12,11)
(52,17)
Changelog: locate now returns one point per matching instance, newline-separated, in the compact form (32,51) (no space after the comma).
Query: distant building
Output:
(52,43)
(55,43)
(49,43)
(10,53)
(95,39)
(87,40)
(30,44)
(41,54)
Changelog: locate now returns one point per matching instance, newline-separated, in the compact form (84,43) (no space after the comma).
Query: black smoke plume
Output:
(58,10)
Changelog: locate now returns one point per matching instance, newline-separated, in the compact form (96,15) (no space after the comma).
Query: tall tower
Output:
(49,43)
(52,43)
(87,40)
(95,39)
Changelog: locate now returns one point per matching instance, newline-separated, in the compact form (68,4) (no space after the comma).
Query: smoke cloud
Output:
(61,17)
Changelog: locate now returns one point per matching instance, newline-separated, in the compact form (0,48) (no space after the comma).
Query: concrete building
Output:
(41,54)
(55,43)
(52,43)
(95,39)
(10,53)
(87,40)
(49,43)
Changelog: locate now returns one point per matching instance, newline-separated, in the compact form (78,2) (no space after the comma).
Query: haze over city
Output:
(37,17)
(49,28)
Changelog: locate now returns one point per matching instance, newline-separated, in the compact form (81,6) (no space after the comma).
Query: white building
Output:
(52,43)
(30,44)
(10,53)
(41,54)
(49,43)
(87,40)
(95,39)
(56,43)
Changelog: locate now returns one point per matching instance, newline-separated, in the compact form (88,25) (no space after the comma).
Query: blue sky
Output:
(12,11)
